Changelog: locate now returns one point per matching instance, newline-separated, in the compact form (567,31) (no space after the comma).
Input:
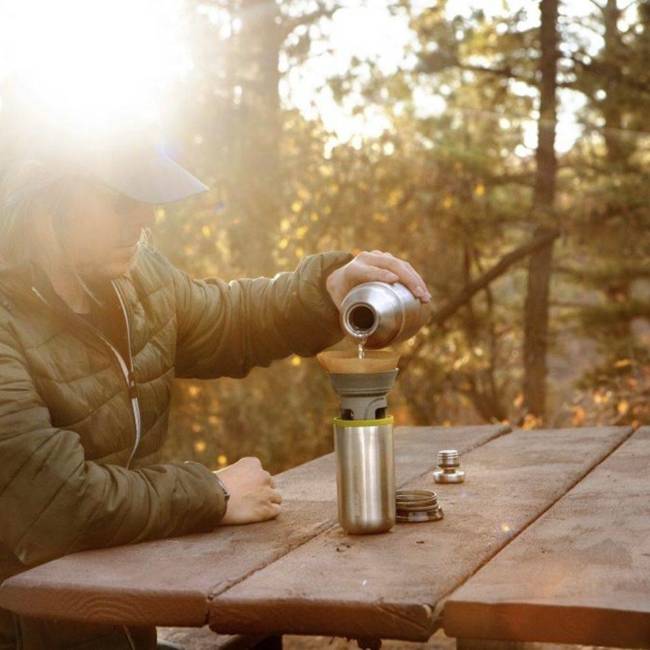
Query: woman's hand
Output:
(252,497)
(375,266)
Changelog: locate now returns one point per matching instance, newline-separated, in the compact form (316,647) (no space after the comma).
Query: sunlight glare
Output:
(91,62)
(385,42)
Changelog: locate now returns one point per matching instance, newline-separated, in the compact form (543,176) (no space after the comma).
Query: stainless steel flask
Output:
(382,313)
(365,475)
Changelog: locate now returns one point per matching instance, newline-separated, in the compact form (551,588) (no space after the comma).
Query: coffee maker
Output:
(363,442)
(374,314)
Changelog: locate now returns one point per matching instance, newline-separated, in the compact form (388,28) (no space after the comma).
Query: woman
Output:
(94,326)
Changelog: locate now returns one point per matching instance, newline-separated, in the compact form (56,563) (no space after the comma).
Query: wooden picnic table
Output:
(547,539)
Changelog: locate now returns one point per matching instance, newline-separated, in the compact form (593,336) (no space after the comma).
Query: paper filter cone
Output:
(347,362)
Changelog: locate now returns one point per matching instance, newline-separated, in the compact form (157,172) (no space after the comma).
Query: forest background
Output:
(502,147)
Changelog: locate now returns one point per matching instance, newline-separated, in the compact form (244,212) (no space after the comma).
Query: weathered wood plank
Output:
(580,574)
(388,586)
(167,582)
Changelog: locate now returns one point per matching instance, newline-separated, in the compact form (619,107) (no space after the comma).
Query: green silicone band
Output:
(363,423)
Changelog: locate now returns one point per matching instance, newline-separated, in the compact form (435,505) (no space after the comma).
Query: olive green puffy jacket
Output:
(69,422)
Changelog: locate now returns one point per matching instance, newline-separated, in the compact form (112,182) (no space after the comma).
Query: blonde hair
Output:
(29,189)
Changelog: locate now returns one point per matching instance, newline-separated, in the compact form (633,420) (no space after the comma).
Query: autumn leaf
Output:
(578,416)
(531,422)
(623,363)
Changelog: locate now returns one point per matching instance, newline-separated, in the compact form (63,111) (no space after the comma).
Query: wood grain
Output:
(580,574)
(168,582)
(388,586)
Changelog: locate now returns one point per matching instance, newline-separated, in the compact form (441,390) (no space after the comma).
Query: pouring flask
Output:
(382,314)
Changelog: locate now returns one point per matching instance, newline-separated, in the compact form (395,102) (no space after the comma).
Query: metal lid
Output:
(448,467)
(415,506)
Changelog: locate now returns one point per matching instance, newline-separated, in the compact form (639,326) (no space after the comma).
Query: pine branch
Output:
(598,6)
(439,317)
(505,72)
(492,274)
(288,25)
(600,276)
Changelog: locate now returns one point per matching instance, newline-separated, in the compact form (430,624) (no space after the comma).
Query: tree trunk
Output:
(536,316)
(617,151)
(258,199)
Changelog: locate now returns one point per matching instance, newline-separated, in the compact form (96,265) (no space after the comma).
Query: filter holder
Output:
(363,395)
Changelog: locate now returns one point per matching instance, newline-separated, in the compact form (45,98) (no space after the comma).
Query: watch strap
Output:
(226,494)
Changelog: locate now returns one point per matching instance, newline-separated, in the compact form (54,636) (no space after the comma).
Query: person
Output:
(95,323)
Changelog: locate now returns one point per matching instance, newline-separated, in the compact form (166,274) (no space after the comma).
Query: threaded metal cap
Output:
(414,506)
(448,467)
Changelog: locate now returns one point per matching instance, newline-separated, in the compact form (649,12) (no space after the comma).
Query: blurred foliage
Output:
(447,186)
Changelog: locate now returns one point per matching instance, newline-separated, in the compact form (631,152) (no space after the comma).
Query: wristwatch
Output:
(226,494)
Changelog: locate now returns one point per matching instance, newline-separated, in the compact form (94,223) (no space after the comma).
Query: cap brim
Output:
(149,176)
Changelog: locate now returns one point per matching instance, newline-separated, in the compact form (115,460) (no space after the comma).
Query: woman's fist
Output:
(375,266)
(252,494)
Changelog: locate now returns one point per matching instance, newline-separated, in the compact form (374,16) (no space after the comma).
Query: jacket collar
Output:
(29,282)
(16,281)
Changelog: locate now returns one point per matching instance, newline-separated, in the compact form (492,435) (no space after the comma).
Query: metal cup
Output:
(365,474)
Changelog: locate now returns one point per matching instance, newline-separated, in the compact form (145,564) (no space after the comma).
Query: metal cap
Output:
(415,506)
(448,467)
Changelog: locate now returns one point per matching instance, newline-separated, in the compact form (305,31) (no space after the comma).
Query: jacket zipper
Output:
(127,371)
(130,375)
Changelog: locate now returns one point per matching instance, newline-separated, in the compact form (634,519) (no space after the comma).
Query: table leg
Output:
(488,644)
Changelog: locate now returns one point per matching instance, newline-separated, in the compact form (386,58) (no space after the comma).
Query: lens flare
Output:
(92,63)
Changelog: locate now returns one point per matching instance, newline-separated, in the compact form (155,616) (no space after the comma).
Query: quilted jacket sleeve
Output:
(54,502)
(227,328)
